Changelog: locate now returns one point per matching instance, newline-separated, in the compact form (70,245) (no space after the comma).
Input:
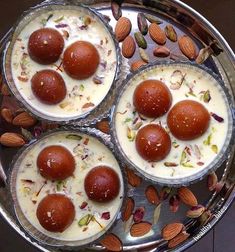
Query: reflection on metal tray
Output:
(186,20)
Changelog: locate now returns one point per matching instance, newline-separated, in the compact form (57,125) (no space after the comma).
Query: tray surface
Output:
(189,22)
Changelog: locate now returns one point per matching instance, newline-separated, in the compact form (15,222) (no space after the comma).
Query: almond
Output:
(161,52)
(4,90)
(181,237)
(12,140)
(187,47)
(103,126)
(7,115)
(128,47)
(171,230)
(123,28)
(157,34)
(137,64)
(140,229)
(133,179)
(152,195)
(129,207)
(111,242)
(24,120)
(187,197)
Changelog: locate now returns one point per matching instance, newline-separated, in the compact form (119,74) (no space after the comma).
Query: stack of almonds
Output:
(150,24)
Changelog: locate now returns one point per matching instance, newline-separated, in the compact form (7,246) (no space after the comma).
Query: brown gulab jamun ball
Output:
(55,212)
(81,60)
(45,45)
(102,184)
(48,86)
(152,98)
(188,120)
(55,162)
(153,143)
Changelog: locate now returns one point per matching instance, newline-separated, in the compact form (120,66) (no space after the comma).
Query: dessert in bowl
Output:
(61,62)
(172,122)
(67,188)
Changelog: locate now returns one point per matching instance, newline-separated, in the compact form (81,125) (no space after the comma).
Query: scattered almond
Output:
(129,207)
(128,47)
(137,64)
(187,47)
(157,34)
(12,140)
(24,120)
(111,242)
(7,115)
(161,52)
(133,179)
(152,195)
(123,28)
(181,237)
(5,90)
(171,230)
(187,197)
(140,229)
(103,126)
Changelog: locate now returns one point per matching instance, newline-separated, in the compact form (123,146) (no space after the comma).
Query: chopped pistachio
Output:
(214,148)
(85,220)
(59,19)
(187,164)
(59,185)
(81,88)
(175,145)
(183,157)
(208,140)
(206,96)
(127,120)
(74,137)
(130,134)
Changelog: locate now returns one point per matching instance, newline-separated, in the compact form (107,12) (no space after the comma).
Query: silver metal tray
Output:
(190,22)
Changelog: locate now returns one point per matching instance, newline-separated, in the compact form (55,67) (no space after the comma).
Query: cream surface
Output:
(82,95)
(88,153)
(186,157)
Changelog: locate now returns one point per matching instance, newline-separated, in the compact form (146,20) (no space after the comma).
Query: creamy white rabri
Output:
(31,187)
(82,95)
(186,158)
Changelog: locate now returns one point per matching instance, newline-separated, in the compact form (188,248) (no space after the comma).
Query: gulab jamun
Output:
(102,184)
(152,98)
(48,86)
(55,212)
(188,120)
(55,162)
(81,60)
(153,143)
(45,45)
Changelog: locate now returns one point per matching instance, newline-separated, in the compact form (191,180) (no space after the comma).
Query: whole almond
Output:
(171,230)
(152,195)
(128,47)
(123,28)
(140,229)
(129,207)
(111,242)
(157,34)
(12,140)
(103,126)
(187,47)
(161,52)
(187,197)
(7,115)
(181,237)
(24,120)
(5,90)
(137,64)
(133,179)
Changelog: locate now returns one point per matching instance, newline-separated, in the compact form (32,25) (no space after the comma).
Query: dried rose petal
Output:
(83,205)
(37,131)
(61,25)
(139,214)
(174,203)
(170,164)
(105,216)
(217,118)
(200,163)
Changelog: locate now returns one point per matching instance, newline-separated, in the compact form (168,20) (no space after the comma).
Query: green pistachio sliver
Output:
(59,185)
(208,140)
(130,134)
(207,96)
(59,19)
(175,145)
(188,165)
(81,87)
(74,137)
(183,157)
(127,120)
(43,22)
(85,220)
(214,148)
